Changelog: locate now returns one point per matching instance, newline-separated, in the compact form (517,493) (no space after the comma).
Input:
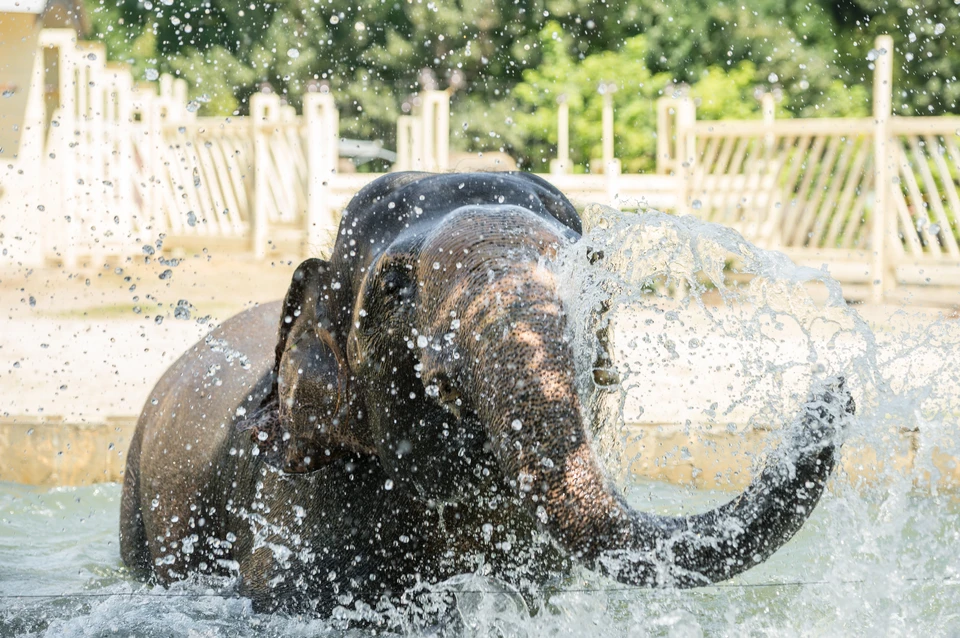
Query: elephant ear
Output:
(311,422)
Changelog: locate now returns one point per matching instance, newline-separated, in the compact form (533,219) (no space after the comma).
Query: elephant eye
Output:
(446,391)
(396,282)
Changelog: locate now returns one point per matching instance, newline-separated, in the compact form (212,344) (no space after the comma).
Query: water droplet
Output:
(697,204)
(151,74)
(148,250)
(334,19)
(939,28)
(422,341)
(91,56)
(517,425)
(158,320)
(293,54)
(8,92)
(772,78)
(41,207)
(193,106)
(388,485)
(33,301)
(166,274)
(191,219)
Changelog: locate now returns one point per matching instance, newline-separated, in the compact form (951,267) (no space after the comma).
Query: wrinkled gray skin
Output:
(408,413)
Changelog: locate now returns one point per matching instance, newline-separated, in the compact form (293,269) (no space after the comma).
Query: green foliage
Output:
(517,57)
(560,76)
(722,94)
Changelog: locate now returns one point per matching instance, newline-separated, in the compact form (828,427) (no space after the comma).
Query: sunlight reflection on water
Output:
(855,566)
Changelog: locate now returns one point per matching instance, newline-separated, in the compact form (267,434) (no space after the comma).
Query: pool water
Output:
(886,563)
(880,555)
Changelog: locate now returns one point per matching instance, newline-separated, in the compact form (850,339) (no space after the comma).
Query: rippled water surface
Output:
(696,352)
(886,563)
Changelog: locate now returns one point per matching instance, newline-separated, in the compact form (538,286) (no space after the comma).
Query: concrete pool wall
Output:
(73,380)
(48,452)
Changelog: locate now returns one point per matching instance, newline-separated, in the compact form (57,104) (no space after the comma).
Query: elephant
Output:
(409,413)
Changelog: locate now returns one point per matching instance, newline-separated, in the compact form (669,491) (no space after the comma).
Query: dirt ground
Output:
(81,349)
(88,343)
(139,288)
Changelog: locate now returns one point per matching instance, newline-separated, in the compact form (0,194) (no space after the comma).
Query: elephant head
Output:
(454,369)
(306,419)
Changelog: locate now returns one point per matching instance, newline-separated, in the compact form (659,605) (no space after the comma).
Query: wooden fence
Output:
(122,168)
(815,189)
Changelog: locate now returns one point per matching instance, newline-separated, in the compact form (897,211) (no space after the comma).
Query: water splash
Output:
(715,343)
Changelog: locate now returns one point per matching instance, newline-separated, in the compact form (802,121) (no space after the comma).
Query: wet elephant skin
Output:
(408,414)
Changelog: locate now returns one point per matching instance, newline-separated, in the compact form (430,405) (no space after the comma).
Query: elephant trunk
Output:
(523,387)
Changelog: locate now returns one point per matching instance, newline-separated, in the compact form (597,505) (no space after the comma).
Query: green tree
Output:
(815,54)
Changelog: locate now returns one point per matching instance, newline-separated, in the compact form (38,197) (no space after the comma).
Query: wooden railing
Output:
(792,185)
(926,158)
(808,188)
(815,189)
(123,166)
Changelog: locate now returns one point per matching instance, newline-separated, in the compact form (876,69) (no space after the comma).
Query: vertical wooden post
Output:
(563,134)
(179,94)
(32,208)
(883,167)
(611,165)
(685,151)
(405,143)
(443,131)
(264,110)
(768,107)
(419,136)
(323,131)
(68,110)
(123,163)
(611,171)
(764,223)
(665,132)
(435,123)
(561,165)
(93,144)
(152,118)
(607,135)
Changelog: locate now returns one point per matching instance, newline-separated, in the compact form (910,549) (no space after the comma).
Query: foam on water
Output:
(714,339)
